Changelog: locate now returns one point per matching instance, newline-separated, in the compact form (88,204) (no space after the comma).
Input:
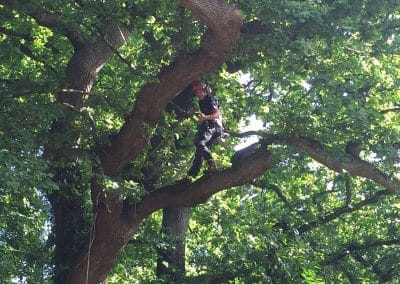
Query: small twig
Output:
(352,246)
(275,188)
(354,50)
(73,91)
(315,198)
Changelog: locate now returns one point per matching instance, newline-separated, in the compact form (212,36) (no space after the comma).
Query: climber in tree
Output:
(210,127)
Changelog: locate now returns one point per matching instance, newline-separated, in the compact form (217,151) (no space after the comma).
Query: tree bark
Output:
(171,260)
(68,203)
(69,222)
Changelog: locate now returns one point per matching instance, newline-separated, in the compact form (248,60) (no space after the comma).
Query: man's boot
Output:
(186,180)
(211,167)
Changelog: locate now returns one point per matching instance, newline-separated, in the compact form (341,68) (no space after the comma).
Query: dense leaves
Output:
(325,70)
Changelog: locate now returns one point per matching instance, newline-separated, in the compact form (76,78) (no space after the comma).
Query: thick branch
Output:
(190,195)
(71,30)
(225,22)
(121,221)
(353,164)
(88,60)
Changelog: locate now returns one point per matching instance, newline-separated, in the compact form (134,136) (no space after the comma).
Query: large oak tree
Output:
(89,127)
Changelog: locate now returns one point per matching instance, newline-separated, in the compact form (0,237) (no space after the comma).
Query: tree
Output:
(90,135)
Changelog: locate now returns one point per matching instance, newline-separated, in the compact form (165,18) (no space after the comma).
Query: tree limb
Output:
(350,247)
(341,211)
(130,65)
(51,20)
(188,195)
(352,164)
(224,22)
(384,276)
(88,60)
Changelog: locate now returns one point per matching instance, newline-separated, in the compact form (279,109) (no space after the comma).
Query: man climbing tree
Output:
(210,128)
(89,152)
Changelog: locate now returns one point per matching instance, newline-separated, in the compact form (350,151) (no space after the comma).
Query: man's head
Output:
(200,89)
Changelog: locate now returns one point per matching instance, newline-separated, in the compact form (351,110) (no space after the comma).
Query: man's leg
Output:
(216,132)
(202,152)
(195,168)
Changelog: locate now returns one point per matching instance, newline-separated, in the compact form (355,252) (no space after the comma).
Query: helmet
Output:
(199,85)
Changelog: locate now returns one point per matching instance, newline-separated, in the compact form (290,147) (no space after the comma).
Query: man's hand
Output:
(215,115)
(202,117)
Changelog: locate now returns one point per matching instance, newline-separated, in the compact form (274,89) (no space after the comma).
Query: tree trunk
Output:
(171,259)
(114,219)
(71,222)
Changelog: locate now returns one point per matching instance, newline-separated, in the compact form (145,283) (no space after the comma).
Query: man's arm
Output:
(213,116)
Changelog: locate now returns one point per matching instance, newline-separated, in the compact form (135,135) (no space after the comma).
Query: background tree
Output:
(89,153)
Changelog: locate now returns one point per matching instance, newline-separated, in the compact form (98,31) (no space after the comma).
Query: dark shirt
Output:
(208,105)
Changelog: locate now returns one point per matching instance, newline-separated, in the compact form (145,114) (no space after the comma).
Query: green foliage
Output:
(24,209)
(326,69)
